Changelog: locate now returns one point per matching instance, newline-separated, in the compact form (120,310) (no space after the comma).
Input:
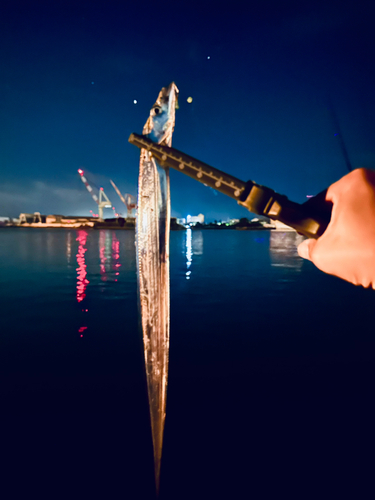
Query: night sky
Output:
(266,81)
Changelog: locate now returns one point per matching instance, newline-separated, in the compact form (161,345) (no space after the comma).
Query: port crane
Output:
(102,200)
(128,200)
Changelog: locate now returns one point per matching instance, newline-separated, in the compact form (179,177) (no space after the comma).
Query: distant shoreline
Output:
(130,224)
(132,228)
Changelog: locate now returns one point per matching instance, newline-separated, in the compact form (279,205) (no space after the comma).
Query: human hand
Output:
(347,247)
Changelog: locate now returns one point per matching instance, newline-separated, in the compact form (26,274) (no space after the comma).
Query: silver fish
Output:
(153,223)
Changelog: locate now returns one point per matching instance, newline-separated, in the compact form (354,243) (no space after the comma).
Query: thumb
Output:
(305,248)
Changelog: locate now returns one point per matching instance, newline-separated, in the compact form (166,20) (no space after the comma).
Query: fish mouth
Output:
(172,87)
(160,123)
(164,94)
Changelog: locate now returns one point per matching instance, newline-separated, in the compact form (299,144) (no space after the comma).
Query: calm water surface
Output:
(271,369)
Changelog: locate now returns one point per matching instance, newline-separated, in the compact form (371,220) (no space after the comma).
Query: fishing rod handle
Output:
(309,219)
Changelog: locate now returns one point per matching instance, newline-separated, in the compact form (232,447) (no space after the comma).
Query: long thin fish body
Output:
(153,222)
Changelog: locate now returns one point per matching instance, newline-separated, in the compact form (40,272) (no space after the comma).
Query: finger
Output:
(305,248)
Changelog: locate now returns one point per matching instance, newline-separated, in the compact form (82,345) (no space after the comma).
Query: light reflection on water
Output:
(106,258)
(109,256)
(197,244)
(103,254)
(283,249)
(109,259)
(92,265)
(194,246)
(189,253)
(68,247)
(116,255)
(82,281)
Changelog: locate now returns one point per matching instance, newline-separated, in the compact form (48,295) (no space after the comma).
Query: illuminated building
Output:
(193,219)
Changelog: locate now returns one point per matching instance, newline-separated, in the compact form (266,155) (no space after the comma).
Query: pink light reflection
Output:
(115,255)
(82,281)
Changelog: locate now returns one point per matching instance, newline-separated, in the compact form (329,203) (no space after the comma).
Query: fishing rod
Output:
(338,134)
(310,218)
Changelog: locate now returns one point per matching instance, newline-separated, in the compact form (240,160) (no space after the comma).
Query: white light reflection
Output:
(189,252)
(105,247)
(68,246)
(283,249)
(198,243)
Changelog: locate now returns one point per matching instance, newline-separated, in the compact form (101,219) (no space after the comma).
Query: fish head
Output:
(160,124)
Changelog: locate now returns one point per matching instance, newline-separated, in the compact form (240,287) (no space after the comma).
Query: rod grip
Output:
(310,219)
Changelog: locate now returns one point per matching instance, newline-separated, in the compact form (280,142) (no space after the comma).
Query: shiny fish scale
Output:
(153,221)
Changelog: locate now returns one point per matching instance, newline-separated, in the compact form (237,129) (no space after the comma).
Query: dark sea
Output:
(271,377)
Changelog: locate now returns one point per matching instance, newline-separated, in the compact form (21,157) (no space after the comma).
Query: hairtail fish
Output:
(153,223)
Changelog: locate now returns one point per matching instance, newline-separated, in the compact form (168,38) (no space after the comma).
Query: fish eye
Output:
(157,110)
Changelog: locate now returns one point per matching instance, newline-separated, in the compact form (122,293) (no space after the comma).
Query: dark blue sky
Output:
(70,71)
